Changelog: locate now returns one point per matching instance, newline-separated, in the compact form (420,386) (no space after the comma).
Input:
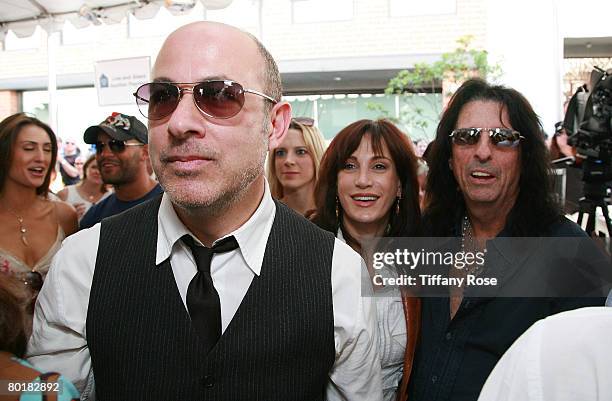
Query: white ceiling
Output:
(22,16)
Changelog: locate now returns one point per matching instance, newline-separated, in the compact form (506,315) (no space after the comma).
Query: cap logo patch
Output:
(117,120)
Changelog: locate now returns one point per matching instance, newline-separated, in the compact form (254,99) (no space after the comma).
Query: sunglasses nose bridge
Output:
(191,90)
(112,147)
(483,148)
(183,90)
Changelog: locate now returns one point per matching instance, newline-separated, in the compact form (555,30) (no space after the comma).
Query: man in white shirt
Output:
(129,301)
(565,357)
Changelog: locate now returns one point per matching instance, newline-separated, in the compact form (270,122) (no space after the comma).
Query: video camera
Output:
(588,122)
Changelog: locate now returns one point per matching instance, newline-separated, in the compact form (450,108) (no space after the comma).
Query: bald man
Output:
(212,291)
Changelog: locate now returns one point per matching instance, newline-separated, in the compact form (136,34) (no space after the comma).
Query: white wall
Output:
(585,18)
(77,110)
(526,37)
(523,36)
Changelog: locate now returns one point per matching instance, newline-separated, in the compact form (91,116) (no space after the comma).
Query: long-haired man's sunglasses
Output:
(502,137)
(215,99)
(115,145)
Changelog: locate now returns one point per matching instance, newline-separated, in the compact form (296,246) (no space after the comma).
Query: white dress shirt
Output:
(565,357)
(59,338)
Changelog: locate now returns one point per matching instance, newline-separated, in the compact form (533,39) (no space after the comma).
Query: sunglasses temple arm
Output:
(261,94)
(139,97)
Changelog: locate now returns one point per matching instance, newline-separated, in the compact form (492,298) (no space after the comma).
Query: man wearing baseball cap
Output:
(122,155)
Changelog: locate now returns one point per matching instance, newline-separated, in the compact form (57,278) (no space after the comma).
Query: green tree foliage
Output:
(419,114)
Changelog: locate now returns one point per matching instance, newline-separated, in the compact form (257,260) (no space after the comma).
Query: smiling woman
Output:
(367,183)
(31,226)
(368,188)
(293,166)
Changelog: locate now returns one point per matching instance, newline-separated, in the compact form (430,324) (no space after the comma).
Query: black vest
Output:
(279,345)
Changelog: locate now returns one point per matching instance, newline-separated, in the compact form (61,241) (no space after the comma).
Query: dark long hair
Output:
(9,129)
(535,205)
(407,222)
(13,337)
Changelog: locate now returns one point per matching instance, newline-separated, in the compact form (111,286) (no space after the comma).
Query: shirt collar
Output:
(252,236)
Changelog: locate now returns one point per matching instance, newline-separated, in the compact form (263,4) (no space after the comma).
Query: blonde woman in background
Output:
(89,191)
(293,166)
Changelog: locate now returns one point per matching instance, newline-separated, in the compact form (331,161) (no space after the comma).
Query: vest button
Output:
(208,381)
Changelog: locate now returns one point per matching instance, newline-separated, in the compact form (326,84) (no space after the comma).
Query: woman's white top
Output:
(392,334)
(74,197)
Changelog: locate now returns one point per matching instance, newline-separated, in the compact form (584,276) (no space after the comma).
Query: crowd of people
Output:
(216,278)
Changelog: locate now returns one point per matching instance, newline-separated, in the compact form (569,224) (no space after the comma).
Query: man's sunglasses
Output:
(307,121)
(502,137)
(115,145)
(34,280)
(215,99)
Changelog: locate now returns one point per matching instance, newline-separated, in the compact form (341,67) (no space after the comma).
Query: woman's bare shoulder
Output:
(67,217)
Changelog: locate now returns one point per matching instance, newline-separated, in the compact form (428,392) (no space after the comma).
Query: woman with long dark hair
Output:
(368,189)
(19,379)
(32,227)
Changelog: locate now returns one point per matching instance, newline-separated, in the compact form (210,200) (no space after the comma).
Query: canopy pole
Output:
(52,45)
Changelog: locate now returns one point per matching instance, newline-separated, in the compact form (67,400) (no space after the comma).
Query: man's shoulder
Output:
(564,227)
(80,248)
(98,211)
(156,190)
(290,218)
(343,254)
(104,202)
(146,209)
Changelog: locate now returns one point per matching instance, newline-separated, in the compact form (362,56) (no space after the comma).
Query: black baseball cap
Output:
(118,126)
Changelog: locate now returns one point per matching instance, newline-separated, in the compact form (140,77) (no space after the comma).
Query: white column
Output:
(523,36)
(53,41)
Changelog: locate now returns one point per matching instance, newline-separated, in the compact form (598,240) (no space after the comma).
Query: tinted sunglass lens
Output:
(157,100)
(219,99)
(505,138)
(116,146)
(34,280)
(465,136)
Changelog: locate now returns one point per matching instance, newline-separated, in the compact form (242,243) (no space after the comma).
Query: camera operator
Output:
(589,122)
(563,156)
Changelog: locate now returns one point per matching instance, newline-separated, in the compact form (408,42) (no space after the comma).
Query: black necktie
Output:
(202,297)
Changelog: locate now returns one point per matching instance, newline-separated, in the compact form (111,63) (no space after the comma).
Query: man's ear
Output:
(280,117)
(144,155)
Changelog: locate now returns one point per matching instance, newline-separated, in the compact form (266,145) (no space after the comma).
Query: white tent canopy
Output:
(23,16)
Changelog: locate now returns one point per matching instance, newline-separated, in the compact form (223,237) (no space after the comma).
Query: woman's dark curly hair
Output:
(407,222)
(535,206)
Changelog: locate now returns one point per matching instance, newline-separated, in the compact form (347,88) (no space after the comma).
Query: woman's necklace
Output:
(90,197)
(22,230)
